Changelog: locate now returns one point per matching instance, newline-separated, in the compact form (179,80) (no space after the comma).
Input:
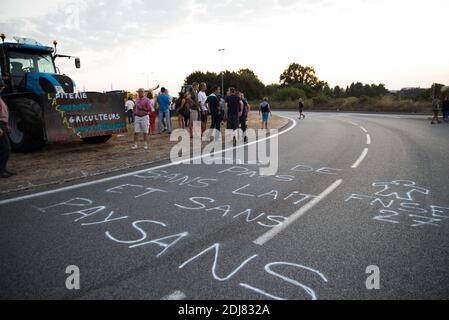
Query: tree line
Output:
(295,82)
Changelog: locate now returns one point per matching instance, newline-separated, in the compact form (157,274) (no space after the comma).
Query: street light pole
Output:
(222,72)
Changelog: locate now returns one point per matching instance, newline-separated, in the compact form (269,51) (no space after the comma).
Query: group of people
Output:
(192,106)
(443,105)
(143,113)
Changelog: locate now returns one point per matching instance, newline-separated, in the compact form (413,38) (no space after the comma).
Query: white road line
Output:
(247,286)
(363,129)
(90,183)
(368,139)
(275,231)
(177,295)
(360,159)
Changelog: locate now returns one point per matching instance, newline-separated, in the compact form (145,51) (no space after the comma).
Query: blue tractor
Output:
(29,72)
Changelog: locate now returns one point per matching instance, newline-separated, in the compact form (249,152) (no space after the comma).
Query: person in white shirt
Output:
(129,107)
(202,98)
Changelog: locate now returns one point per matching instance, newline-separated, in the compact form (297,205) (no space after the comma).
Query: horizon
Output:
(356,41)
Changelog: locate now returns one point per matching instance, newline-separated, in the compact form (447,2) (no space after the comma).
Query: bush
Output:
(320,100)
(352,101)
(288,94)
(365,100)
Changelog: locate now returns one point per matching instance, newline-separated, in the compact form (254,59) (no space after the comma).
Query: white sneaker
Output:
(134,147)
(145,147)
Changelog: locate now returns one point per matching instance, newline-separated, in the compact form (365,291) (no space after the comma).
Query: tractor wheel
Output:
(97,140)
(26,121)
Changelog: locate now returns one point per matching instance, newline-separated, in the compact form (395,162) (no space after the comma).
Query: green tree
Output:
(288,94)
(244,80)
(338,92)
(298,74)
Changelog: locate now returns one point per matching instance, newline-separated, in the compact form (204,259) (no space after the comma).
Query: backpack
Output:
(265,107)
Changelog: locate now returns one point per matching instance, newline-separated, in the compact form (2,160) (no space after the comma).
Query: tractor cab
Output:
(28,66)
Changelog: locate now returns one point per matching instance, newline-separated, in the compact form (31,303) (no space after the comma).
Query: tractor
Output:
(29,71)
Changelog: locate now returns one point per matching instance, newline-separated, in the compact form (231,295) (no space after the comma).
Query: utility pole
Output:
(222,72)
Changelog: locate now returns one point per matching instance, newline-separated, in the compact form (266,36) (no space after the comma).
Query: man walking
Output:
(142,120)
(5,131)
(234,107)
(164,102)
(202,98)
(213,102)
(301,109)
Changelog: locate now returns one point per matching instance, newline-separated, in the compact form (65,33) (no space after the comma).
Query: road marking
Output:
(360,159)
(363,129)
(177,295)
(171,164)
(247,286)
(353,123)
(368,139)
(275,231)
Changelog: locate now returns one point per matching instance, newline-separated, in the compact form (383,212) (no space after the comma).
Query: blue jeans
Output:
(167,120)
(446,115)
(130,114)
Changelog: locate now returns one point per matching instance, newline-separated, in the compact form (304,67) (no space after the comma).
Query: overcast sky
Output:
(128,43)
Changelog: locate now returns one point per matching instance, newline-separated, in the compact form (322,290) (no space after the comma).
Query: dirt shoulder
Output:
(56,164)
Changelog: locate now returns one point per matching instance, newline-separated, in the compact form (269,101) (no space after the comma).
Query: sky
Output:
(127,44)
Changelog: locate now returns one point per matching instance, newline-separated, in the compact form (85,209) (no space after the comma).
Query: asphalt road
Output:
(360,190)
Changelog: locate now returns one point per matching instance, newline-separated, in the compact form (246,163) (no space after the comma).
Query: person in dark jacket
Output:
(301,109)
(445,109)
(5,131)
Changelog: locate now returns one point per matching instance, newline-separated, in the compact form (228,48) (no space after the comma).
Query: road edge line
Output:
(125,175)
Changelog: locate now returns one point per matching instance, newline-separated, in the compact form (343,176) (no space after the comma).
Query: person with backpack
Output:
(244,116)
(213,103)
(265,111)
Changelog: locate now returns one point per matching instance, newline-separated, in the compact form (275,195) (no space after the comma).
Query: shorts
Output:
(233,122)
(194,116)
(142,124)
(204,116)
(265,116)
